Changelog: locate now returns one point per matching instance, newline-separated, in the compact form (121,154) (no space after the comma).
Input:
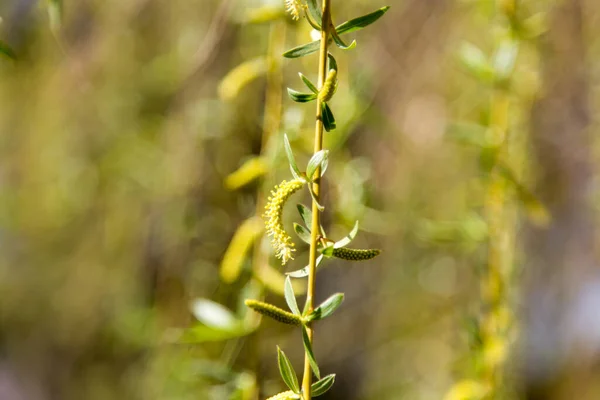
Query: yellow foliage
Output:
(242,240)
(467,390)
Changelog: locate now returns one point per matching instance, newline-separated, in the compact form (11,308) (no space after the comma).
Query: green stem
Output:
(315,223)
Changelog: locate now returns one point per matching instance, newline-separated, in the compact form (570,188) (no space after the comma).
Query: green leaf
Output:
(327,117)
(6,50)
(291,158)
(287,371)
(306,215)
(303,50)
(327,308)
(504,58)
(302,233)
(55,12)
(340,43)
(350,237)
(322,386)
(308,83)
(309,352)
(332,63)
(314,198)
(328,251)
(290,297)
(476,62)
(315,11)
(361,22)
(315,162)
(300,97)
(303,273)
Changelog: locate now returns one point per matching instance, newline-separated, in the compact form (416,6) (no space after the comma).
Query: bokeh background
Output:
(122,122)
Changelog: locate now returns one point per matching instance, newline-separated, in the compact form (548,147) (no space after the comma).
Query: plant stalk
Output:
(316,186)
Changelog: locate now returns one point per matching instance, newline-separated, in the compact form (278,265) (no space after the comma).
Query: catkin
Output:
(355,254)
(289,395)
(329,87)
(274,312)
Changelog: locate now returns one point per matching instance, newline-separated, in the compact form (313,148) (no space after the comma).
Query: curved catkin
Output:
(329,87)
(355,254)
(294,7)
(281,241)
(289,395)
(274,312)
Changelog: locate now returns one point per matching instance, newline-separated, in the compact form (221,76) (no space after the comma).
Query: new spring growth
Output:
(281,241)
(294,7)
(274,312)
(329,87)
(355,254)
(289,395)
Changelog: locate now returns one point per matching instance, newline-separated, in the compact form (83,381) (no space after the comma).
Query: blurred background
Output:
(139,139)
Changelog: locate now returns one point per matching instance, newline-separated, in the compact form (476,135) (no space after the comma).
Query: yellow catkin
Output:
(329,87)
(282,242)
(355,254)
(294,7)
(274,312)
(289,395)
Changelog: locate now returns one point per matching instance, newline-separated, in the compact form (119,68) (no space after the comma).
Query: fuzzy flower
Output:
(282,242)
(289,395)
(294,7)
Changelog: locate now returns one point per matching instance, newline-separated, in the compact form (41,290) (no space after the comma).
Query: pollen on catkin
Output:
(281,241)
(329,87)
(274,312)
(355,254)
(294,7)
(289,395)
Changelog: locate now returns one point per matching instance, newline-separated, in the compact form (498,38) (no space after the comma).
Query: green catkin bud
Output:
(281,241)
(355,254)
(329,87)
(274,312)
(289,395)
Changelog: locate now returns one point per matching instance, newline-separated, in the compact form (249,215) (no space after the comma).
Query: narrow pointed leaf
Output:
(309,352)
(340,43)
(350,237)
(313,22)
(5,50)
(476,62)
(287,371)
(361,22)
(291,158)
(322,385)
(315,10)
(327,308)
(328,119)
(300,97)
(290,297)
(332,63)
(303,50)
(306,215)
(302,233)
(315,162)
(303,273)
(308,83)
(314,198)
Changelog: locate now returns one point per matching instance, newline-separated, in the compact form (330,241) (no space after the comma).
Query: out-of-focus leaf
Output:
(290,297)
(202,333)
(474,61)
(469,133)
(322,385)
(287,371)
(467,390)
(326,308)
(309,352)
(240,76)
(273,280)
(300,97)
(55,11)
(242,240)
(361,22)
(534,208)
(328,119)
(214,315)
(505,57)
(263,14)
(253,168)
(7,51)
